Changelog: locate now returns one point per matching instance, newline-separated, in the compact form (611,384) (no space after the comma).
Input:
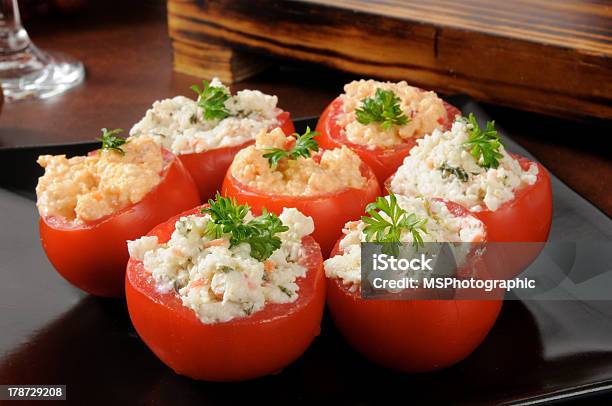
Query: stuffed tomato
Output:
(331,186)
(381,121)
(90,206)
(510,194)
(206,133)
(221,295)
(469,165)
(414,335)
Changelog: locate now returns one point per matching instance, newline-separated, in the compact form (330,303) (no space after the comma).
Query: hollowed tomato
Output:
(414,335)
(92,255)
(208,168)
(525,218)
(329,212)
(383,161)
(239,349)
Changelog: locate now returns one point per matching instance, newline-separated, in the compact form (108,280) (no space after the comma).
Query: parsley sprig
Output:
(111,142)
(389,229)
(304,145)
(211,99)
(227,218)
(383,108)
(484,145)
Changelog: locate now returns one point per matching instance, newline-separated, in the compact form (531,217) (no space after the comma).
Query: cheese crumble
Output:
(425,110)
(87,188)
(440,166)
(218,282)
(179,124)
(325,172)
(442,226)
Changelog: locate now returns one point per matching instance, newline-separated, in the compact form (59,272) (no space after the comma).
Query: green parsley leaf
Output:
(211,99)
(262,238)
(389,230)
(383,108)
(304,145)
(227,218)
(484,145)
(110,140)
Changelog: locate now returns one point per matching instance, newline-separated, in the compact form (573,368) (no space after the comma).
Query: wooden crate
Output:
(552,56)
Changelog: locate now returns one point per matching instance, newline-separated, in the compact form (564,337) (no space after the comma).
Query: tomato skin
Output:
(524,220)
(329,212)
(92,256)
(383,161)
(527,217)
(239,349)
(208,168)
(413,335)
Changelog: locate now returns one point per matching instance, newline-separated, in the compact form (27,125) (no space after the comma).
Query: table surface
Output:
(127,54)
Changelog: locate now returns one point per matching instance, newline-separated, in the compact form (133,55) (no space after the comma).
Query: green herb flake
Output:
(211,99)
(383,108)
(285,290)
(457,171)
(249,309)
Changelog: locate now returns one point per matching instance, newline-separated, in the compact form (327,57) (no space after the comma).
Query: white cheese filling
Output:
(441,166)
(179,125)
(219,282)
(441,226)
(425,111)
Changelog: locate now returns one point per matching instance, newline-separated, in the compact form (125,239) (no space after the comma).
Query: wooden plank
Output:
(550,60)
(206,60)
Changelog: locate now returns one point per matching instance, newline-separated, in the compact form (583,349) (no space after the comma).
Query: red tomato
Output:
(329,212)
(413,335)
(239,349)
(527,217)
(208,168)
(383,161)
(92,256)
(524,221)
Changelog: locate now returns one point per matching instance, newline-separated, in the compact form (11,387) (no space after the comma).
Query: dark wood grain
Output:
(548,56)
(229,65)
(127,53)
